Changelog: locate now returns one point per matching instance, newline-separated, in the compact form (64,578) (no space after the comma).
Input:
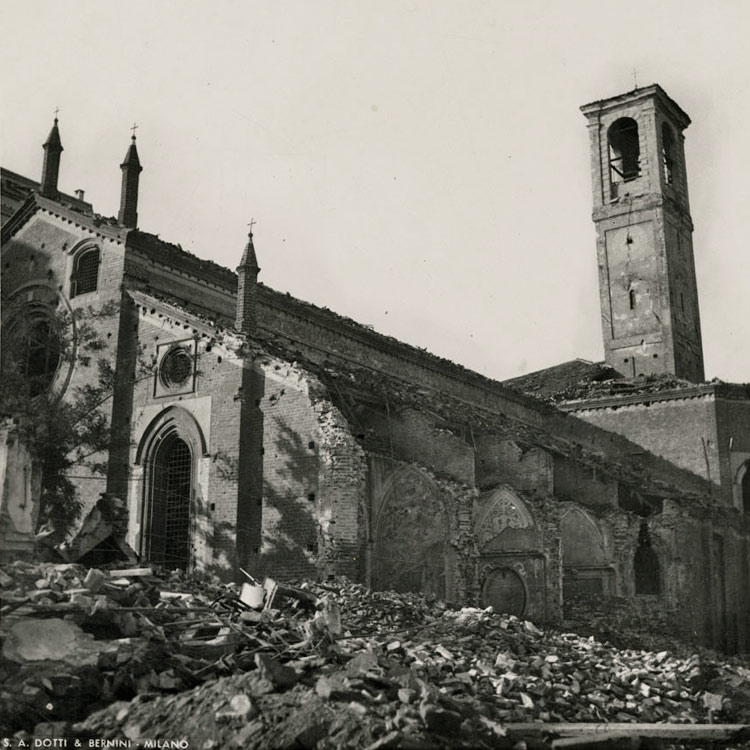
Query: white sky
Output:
(418,166)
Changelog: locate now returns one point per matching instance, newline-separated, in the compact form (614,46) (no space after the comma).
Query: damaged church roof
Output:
(550,382)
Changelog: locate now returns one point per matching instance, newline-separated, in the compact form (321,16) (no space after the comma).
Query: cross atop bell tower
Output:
(649,297)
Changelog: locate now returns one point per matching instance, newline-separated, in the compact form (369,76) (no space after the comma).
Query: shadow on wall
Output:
(212,540)
(290,528)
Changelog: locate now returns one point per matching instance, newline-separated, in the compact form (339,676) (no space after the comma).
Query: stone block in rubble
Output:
(304,729)
(82,600)
(52,639)
(281,676)
(440,720)
(240,708)
(407,695)
(335,687)
(94,580)
(361,663)
(168,681)
(251,617)
(257,685)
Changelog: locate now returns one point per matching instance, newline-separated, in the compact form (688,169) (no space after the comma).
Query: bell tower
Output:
(648,292)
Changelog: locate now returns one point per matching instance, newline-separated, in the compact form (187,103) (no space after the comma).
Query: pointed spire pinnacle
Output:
(131,168)
(249,259)
(131,157)
(51,169)
(53,139)
(246,320)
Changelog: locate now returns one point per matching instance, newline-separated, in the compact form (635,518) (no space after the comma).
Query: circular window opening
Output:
(504,590)
(176,368)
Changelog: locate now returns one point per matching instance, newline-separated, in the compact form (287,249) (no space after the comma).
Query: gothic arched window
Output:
(746,490)
(85,277)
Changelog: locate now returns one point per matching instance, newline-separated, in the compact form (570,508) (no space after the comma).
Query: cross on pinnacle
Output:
(57,110)
(134,128)
(635,78)
(251,225)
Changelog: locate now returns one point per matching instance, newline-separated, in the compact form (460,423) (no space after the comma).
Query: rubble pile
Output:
(141,655)
(626,626)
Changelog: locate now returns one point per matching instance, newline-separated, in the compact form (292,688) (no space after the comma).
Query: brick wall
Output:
(582,484)
(212,405)
(733,437)
(291,494)
(683,431)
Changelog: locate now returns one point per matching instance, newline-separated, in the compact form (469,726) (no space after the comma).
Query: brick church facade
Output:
(249,429)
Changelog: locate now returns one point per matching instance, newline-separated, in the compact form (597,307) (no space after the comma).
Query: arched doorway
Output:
(512,567)
(169,452)
(168,529)
(504,590)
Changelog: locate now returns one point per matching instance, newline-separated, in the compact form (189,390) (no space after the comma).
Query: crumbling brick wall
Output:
(500,461)
(295,446)
(703,581)
(342,503)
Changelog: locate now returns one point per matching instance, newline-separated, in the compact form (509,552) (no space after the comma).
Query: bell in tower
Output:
(649,297)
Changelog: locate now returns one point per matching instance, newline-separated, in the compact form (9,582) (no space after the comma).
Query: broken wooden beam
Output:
(131,572)
(605,740)
(682,732)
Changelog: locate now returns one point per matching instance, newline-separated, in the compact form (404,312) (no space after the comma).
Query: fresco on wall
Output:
(411,543)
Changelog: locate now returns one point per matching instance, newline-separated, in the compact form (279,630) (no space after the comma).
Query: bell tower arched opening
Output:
(624,152)
(669,153)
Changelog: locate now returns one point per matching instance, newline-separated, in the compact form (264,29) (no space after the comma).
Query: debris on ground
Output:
(141,654)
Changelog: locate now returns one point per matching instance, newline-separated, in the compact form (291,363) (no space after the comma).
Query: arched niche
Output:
(647,570)
(411,549)
(504,523)
(581,541)
(586,565)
